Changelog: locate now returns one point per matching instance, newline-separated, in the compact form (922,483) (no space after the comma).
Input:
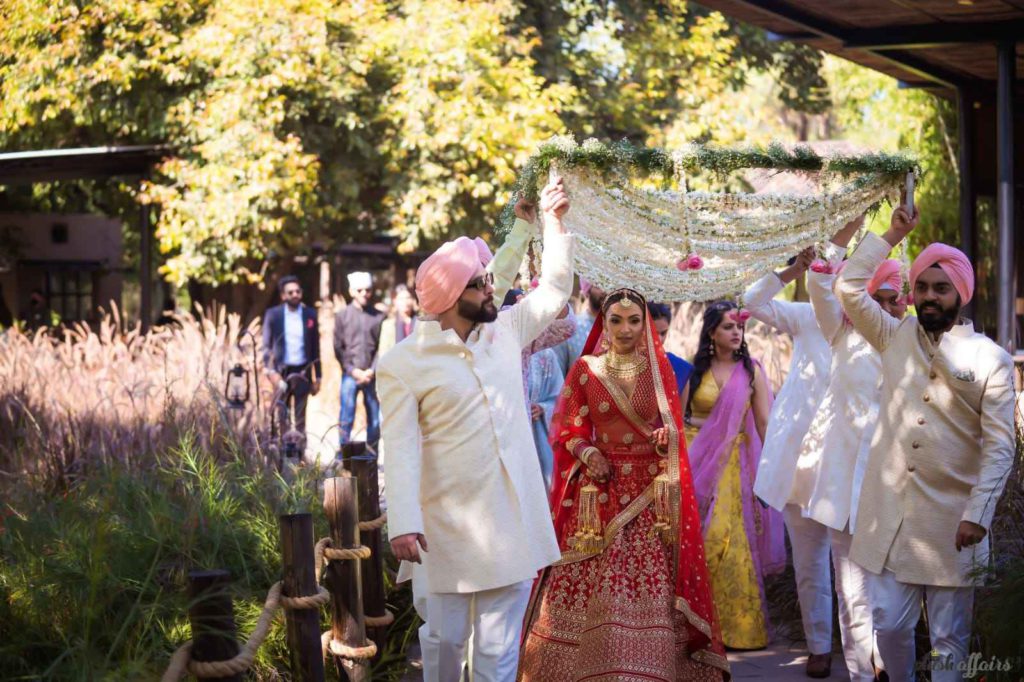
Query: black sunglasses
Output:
(482,282)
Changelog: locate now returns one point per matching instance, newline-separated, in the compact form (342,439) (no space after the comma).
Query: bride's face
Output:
(624,326)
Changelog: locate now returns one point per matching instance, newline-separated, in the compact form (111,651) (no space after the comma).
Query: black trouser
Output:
(296,395)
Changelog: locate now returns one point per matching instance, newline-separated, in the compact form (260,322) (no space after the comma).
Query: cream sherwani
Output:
(462,469)
(787,423)
(833,455)
(940,455)
(801,392)
(944,443)
(832,460)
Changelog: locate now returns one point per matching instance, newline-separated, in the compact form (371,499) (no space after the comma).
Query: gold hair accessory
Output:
(626,301)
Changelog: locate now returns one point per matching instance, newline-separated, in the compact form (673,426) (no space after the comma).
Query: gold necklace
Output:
(627,366)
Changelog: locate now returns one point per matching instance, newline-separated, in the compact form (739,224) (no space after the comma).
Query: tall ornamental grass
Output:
(92,397)
(121,469)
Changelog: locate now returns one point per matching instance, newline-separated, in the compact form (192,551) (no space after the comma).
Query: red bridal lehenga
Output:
(630,598)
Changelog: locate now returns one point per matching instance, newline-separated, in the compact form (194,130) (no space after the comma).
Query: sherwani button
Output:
(926,398)
(932,375)
(915,445)
(911,468)
(920,420)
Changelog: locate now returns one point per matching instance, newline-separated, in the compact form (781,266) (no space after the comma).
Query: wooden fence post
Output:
(212,616)
(307,660)
(363,466)
(341,506)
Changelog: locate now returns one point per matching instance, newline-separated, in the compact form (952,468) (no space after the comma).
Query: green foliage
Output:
(643,161)
(318,121)
(871,110)
(92,583)
(466,107)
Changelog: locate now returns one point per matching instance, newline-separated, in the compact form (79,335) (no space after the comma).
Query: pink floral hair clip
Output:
(739,316)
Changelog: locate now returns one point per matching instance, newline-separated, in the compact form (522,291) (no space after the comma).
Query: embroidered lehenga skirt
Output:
(612,616)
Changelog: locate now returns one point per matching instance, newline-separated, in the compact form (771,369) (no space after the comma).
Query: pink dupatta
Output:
(732,418)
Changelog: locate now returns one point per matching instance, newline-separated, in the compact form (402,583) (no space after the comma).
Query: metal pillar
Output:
(1006,320)
(145,268)
(965,165)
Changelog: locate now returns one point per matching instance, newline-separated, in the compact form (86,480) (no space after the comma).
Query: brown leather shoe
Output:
(819,666)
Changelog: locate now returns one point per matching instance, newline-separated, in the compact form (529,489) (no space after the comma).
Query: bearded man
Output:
(939,458)
(466,499)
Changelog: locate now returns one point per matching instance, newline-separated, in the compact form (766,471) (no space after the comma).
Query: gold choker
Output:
(624,366)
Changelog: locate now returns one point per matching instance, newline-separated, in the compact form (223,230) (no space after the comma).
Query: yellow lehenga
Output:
(734,582)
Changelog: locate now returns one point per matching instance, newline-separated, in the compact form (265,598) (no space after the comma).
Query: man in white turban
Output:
(356,336)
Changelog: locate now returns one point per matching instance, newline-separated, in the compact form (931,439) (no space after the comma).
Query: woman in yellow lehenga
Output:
(726,405)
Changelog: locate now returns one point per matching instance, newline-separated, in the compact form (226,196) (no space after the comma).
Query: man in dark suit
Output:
(291,345)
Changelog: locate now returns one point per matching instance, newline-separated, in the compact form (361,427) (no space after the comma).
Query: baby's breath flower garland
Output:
(674,245)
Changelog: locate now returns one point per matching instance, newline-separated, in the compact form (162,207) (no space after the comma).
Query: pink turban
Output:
(887,273)
(585,286)
(442,277)
(953,262)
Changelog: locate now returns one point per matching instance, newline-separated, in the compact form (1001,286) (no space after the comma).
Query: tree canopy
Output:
(312,122)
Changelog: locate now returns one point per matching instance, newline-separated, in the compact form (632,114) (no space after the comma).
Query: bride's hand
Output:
(598,467)
(660,438)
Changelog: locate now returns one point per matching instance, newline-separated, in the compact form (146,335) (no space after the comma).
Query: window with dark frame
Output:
(69,291)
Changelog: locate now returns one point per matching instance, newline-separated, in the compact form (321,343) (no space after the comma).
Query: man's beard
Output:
(485,312)
(938,319)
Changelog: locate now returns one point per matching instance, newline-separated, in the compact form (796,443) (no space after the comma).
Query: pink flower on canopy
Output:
(821,267)
(691,262)
(534,283)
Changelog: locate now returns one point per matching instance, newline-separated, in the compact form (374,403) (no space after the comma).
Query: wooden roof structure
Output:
(936,44)
(48,165)
(135,161)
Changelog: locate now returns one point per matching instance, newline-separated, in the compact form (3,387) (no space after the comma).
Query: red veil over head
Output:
(693,596)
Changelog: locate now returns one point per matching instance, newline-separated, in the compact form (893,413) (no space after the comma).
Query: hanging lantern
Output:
(236,387)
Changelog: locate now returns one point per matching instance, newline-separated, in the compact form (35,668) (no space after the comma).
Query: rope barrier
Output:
(182,658)
(182,662)
(353,653)
(313,601)
(345,554)
(375,524)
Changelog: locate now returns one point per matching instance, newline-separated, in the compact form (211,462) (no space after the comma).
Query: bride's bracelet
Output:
(586,454)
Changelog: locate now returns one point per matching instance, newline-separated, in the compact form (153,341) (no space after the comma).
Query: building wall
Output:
(73,259)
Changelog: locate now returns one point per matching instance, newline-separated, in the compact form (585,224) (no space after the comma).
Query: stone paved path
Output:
(780,662)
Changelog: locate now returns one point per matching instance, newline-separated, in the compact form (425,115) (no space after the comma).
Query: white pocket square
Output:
(964,374)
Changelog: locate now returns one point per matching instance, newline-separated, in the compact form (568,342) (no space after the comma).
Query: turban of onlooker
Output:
(360,280)
(887,276)
(442,277)
(953,262)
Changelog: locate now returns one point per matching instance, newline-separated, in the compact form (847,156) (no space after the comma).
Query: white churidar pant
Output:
(810,543)
(494,618)
(896,608)
(855,623)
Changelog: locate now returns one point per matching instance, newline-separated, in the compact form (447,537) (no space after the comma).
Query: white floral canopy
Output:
(647,237)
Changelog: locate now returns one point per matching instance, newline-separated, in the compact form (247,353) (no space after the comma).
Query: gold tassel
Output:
(588,536)
(663,507)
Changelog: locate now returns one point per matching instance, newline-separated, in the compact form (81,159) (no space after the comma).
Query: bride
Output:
(631,593)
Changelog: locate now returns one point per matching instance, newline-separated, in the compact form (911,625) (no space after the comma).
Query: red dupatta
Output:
(693,596)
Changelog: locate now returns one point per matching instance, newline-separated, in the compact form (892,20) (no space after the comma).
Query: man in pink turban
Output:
(458,449)
(942,282)
(442,278)
(939,459)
